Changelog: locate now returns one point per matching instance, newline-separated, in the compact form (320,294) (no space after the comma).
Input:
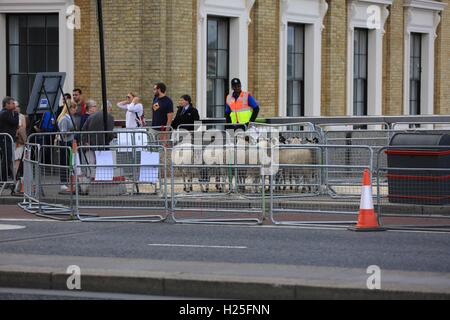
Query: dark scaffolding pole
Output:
(102,63)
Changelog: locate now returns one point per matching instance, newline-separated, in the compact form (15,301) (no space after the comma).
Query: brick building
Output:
(298,57)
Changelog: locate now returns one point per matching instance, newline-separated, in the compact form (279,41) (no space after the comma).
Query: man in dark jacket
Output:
(95,123)
(186,114)
(9,122)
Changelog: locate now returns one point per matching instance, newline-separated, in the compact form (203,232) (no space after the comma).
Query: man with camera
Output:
(9,122)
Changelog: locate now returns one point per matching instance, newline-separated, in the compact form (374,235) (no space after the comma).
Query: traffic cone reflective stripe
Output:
(366,198)
(367,219)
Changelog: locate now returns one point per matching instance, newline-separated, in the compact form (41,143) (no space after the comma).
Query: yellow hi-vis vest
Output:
(241,112)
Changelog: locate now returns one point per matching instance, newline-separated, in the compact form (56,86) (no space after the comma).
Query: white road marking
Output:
(29,220)
(4,227)
(194,246)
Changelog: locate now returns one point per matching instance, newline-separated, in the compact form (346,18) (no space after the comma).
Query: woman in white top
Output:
(21,137)
(135,110)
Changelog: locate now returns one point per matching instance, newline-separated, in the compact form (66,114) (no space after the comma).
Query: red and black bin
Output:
(413,168)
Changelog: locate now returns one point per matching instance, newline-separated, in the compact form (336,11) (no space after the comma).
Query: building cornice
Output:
(425,4)
(383,2)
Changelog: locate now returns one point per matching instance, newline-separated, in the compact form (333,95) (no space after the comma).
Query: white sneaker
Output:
(64,188)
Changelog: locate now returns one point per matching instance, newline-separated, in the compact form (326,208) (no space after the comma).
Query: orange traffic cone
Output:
(367,219)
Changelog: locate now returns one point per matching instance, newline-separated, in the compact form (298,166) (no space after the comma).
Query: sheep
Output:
(186,153)
(249,151)
(217,156)
(293,176)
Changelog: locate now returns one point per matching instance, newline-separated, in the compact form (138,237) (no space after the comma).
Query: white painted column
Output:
(427,81)
(66,35)
(201,64)
(239,50)
(66,50)
(350,51)
(360,15)
(375,70)
(421,17)
(313,69)
(310,13)
(239,13)
(406,71)
(282,94)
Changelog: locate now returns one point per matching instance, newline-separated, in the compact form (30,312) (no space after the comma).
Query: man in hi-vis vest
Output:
(241,107)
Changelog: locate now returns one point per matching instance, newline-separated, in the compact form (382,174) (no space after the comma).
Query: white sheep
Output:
(186,154)
(252,153)
(295,175)
(216,160)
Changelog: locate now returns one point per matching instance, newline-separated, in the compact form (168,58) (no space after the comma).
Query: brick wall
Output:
(155,40)
(169,47)
(82,64)
(334,57)
(393,61)
(265,27)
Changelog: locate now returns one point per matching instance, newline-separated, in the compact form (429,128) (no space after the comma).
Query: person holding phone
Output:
(135,110)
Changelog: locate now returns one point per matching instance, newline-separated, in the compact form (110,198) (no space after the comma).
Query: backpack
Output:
(48,122)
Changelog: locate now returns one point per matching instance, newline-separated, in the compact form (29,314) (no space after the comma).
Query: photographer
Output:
(9,122)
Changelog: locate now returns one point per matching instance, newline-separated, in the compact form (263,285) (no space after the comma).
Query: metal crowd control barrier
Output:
(415,195)
(161,135)
(7,170)
(421,125)
(202,136)
(213,184)
(366,137)
(375,135)
(31,190)
(120,180)
(290,126)
(221,126)
(44,179)
(49,179)
(120,137)
(307,190)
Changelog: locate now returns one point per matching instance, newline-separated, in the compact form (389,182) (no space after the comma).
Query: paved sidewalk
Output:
(217,280)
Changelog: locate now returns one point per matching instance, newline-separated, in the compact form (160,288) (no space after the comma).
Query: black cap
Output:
(235,81)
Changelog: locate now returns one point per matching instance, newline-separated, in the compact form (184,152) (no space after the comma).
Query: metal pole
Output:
(102,62)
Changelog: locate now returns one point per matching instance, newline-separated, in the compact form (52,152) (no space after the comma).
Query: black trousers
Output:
(7,161)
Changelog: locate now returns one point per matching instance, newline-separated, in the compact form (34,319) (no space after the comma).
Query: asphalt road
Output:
(392,250)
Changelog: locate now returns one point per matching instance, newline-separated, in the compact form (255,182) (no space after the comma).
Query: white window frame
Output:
(66,35)
(422,17)
(359,17)
(239,13)
(309,13)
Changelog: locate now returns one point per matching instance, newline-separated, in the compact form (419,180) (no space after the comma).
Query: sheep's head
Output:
(295,140)
(314,140)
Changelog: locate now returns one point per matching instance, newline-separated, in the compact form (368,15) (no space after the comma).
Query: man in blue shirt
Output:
(162,108)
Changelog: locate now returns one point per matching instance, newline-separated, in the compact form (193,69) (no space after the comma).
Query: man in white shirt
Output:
(134,108)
